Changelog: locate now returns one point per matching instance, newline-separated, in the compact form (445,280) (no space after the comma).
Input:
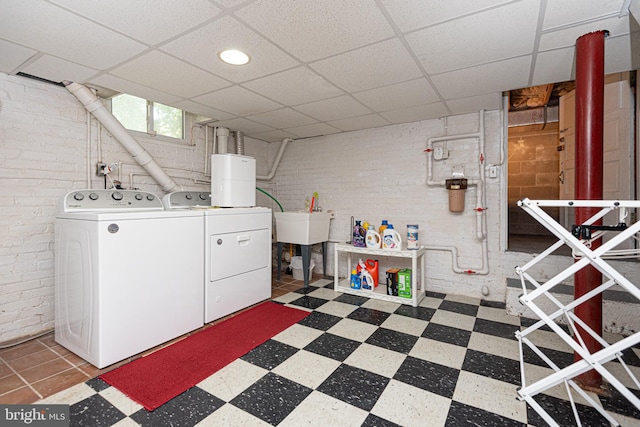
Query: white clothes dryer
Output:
(237,259)
(128,275)
(237,253)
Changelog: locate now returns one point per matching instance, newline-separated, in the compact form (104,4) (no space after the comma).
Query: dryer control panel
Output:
(110,200)
(186,199)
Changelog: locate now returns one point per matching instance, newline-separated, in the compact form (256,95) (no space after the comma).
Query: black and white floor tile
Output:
(355,361)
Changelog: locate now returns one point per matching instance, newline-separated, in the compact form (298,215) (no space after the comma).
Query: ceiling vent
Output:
(534,116)
(40,79)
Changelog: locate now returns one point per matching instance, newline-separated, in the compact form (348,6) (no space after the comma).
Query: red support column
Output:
(588,179)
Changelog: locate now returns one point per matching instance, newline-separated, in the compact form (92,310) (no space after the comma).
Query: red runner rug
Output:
(159,377)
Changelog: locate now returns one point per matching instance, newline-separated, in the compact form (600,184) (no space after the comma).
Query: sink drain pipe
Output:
(94,105)
(276,162)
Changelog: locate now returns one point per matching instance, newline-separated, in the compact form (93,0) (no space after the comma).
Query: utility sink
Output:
(302,228)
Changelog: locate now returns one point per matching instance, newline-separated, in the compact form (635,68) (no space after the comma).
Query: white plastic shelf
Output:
(418,264)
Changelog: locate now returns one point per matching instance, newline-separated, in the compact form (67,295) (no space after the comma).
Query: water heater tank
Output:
(233,181)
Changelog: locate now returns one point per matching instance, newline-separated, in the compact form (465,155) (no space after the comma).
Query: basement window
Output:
(150,117)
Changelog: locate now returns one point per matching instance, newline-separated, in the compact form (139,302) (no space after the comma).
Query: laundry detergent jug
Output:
(391,239)
(373,239)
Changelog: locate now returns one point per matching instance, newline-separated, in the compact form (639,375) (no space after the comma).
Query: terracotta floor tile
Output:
(49,340)
(72,358)
(5,370)
(59,382)
(45,370)
(34,359)
(21,350)
(10,382)
(90,370)
(23,395)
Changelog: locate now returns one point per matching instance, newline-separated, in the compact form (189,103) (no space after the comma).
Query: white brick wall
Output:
(43,155)
(372,175)
(381,174)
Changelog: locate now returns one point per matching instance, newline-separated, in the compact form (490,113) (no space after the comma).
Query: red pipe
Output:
(588,179)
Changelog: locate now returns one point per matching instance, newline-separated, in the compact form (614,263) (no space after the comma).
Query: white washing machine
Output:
(128,274)
(237,246)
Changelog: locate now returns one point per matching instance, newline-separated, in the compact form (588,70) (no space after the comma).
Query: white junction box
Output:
(233,181)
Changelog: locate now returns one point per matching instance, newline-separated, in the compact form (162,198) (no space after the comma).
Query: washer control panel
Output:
(107,200)
(186,199)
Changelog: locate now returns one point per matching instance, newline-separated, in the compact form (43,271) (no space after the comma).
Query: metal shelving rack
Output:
(584,256)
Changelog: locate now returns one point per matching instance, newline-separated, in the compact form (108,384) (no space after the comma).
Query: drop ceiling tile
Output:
(201,47)
(316,129)
(296,86)
(283,118)
(145,20)
(416,113)
(247,126)
(312,29)
(57,69)
(400,95)
(333,109)
(13,55)
(272,136)
(567,37)
(493,35)
(411,15)
(203,110)
(168,74)
(561,13)
(554,66)
(124,86)
(230,3)
(495,77)
(472,104)
(358,123)
(372,66)
(43,26)
(237,100)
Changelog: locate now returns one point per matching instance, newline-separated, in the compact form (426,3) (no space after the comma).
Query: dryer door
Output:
(238,252)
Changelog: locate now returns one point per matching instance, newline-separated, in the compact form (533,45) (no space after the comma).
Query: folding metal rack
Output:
(579,240)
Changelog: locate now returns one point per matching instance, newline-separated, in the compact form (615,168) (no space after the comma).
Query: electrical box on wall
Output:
(233,181)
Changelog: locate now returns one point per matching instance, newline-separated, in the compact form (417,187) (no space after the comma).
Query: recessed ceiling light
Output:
(234,57)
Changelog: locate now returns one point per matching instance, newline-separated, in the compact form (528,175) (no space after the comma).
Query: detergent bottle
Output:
(355,280)
(391,239)
(383,227)
(371,266)
(359,234)
(373,239)
(366,280)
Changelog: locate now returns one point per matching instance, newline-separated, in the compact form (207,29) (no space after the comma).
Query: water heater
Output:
(233,181)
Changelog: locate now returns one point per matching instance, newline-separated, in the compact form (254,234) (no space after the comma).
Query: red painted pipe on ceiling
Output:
(589,179)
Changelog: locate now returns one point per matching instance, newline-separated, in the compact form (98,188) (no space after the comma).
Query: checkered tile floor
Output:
(355,361)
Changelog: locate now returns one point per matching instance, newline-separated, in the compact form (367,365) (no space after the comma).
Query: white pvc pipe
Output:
(276,162)
(223,137)
(88,150)
(481,218)
(94,105)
